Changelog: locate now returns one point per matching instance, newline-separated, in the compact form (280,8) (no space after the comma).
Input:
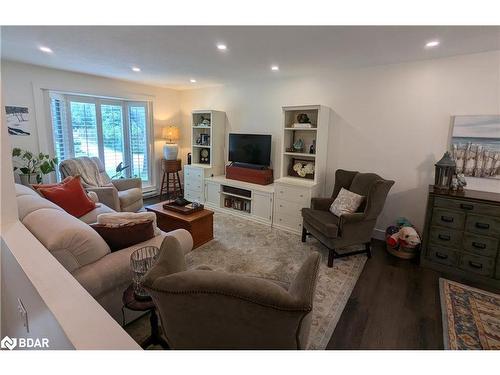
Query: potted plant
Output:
(32,167)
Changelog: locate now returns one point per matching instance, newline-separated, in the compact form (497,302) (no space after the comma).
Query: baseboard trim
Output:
(379,234)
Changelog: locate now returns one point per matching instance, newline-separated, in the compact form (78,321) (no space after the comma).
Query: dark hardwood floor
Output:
(394,305)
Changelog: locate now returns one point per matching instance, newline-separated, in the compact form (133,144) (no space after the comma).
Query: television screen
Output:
(250,149)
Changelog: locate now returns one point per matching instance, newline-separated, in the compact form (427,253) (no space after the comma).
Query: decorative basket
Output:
(141,261)
(403,252)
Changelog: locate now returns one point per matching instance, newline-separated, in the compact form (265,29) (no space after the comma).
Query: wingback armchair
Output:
(350,229)
(124,194)
(205,309)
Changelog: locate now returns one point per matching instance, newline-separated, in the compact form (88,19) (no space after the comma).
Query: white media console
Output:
(243,199)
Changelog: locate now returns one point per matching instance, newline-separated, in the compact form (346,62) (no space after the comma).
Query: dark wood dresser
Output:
(462,235)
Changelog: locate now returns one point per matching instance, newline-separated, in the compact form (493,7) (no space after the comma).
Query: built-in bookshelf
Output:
(208,129)
(303,168)
(306,125)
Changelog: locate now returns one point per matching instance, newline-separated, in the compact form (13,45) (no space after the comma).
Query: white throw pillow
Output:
(346,202)
(116,219)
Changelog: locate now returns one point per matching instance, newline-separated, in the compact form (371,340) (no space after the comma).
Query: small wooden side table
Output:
(172,186)
(132,303)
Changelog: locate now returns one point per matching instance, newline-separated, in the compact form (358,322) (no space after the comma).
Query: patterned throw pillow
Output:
(346,202)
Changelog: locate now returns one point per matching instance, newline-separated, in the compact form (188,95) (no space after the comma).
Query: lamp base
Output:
(170,151)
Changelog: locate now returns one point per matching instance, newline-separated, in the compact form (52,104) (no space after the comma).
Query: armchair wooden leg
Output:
(304,234)
(368,250)
(331,256)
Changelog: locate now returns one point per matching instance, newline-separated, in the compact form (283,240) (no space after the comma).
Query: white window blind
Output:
(59,128)
(138,140)
(112,137)
(84,128)
(116,131)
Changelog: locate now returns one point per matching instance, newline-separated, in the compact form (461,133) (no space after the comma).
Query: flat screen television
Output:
(251,149)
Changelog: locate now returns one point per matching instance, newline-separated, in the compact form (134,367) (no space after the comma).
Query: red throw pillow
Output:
(44,186)
(70,196)
(126,235)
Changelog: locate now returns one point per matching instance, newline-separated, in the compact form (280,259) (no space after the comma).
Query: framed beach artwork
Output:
(475,144)
(18,120)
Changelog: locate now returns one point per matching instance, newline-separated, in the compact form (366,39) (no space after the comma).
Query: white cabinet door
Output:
(262,205)
(212,193)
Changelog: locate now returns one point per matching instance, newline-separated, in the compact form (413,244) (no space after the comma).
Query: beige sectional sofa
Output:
(104,274)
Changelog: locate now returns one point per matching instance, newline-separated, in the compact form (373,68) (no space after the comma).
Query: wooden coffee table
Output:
(200,224)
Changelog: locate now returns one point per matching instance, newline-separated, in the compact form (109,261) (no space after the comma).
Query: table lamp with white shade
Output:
(171,136)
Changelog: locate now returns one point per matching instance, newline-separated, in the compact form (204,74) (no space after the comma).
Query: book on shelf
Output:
(299,125)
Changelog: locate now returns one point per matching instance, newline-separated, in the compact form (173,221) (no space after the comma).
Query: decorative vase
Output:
(170,151)
(28,179)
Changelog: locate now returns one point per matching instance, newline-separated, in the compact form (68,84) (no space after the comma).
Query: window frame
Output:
(127,149)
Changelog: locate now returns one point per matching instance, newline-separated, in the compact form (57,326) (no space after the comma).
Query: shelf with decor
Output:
(207,151)
(303,163)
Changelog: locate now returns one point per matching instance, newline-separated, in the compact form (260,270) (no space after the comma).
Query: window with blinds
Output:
(116,131)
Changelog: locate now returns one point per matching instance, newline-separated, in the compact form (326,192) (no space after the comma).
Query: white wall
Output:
(393,120)
(22,85)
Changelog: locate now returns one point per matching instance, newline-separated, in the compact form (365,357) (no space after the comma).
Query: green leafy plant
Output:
(29,164)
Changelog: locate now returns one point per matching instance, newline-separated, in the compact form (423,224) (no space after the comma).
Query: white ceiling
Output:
(170,56)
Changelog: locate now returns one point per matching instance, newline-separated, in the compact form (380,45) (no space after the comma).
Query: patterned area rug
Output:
(245,247)
(471,317)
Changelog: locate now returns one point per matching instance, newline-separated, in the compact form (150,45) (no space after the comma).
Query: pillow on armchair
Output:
(346,202)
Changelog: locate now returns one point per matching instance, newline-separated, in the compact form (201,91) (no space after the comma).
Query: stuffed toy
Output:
(406,236)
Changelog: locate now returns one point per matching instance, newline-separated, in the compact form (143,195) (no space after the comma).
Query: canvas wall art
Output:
(475,144)
(18,120)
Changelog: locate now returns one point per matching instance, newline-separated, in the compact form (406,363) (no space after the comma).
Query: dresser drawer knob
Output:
(475,265)
(447,219)
(482,225)
(479,245)
(444,237)
(466,206)
(441,256)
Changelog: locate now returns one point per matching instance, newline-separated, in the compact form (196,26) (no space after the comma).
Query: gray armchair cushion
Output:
(324,221)
(127,183)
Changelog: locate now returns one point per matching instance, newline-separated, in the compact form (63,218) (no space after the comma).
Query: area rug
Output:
(245,247)
(471,317)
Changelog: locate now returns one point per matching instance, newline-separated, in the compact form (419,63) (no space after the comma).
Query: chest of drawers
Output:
(462,235)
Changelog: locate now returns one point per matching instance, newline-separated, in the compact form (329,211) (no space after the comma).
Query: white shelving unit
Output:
(206,138)
(292,192)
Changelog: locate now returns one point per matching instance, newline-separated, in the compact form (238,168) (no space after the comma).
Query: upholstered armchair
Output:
(124,194)
(336,232)
(205,309)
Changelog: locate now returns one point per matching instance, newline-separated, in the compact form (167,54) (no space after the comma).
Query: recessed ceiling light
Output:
(275,67)
(45,49)
(192,80)
(222,47)
(136,69)
(432,43)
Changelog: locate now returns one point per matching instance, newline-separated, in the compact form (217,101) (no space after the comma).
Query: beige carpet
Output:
(242,246)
